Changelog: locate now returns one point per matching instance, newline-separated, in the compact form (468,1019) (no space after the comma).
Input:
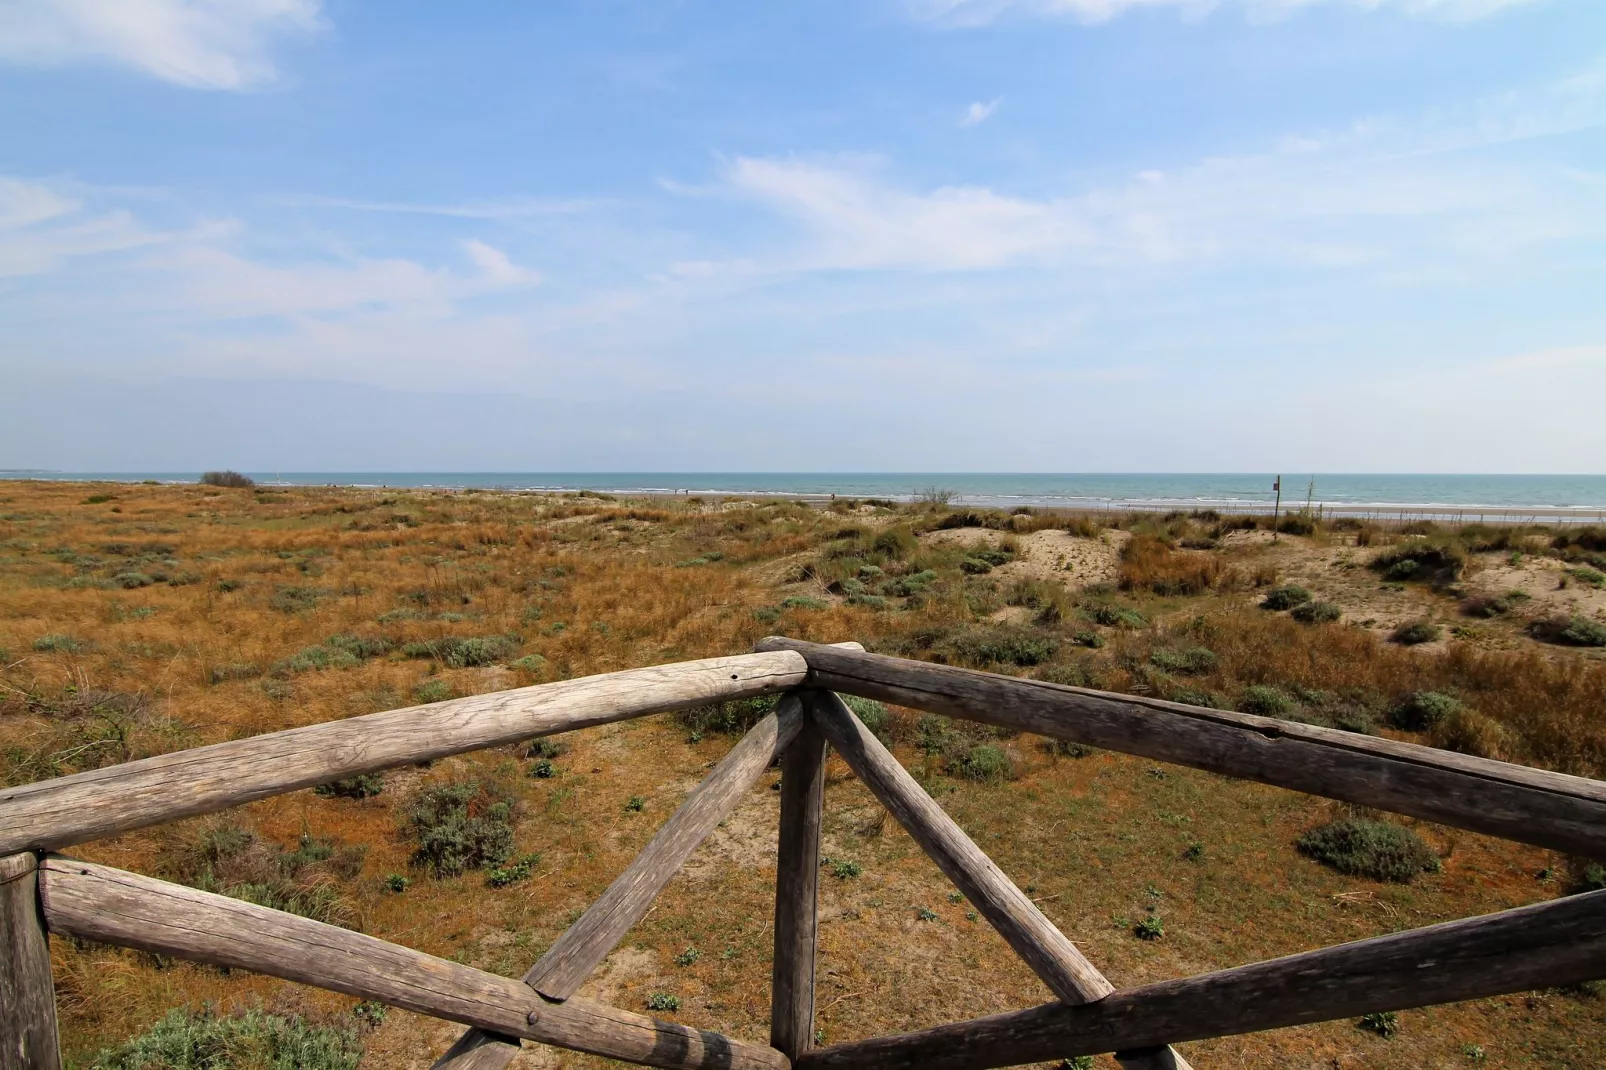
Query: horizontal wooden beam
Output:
(51,814)
(583,946)
(115,907)
(1565,813)
(1554,943)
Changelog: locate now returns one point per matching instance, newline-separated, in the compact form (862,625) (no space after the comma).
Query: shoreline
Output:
(1400,512)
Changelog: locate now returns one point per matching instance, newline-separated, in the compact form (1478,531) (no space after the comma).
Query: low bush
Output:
(1422,711)
(59,644)
(874,716)
(1114,616)
(1568,631)
(999,645)
(1415,632)
(1317,613)
(1265,700)
(459,652)
(985,762)
(1435,560)
(1486,606)
(226,478)
(231,860)
(1374,849)
(459,826)
(1287,596)
(288,598)
(895,543)
(205,1040)
(1470,732)
(1195,661)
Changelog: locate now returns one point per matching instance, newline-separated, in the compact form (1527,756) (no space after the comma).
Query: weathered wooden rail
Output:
(1553,943)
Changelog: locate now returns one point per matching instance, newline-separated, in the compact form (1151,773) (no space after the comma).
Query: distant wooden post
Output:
(797,883)
(28,1038)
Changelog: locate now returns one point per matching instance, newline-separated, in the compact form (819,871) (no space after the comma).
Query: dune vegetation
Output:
(140,619)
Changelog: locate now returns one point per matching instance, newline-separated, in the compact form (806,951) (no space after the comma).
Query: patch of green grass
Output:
(1375,849)
(663,1001)
(1195,661)
(1150,928)
(986,763)
(59,644)
(254,1039)
(999,645)
(433,691)
(514,872)
(729,718)
(1569,631)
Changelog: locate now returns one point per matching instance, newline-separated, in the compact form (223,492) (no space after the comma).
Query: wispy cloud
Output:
(41,225)
(200,44)
(515,208)
(979,113)
(980,12)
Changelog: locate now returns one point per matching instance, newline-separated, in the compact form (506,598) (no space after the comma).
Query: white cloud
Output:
(495,267)
(978,112)
(41,225)
(857,221)
(202,44)
(979,12)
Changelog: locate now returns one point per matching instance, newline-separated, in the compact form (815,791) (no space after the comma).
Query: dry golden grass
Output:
(243,582)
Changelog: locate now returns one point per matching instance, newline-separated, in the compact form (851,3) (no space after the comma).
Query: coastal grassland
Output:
(141,619)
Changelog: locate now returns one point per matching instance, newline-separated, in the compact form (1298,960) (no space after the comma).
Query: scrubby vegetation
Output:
(1375,849)
(278,608)
(254,1039)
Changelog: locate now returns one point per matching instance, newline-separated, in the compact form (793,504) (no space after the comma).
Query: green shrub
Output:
(1113,616)
(230,860)
(915,583)
(1384,1023)
(999,645)
(804,602)
(459,826)
(459,652)
(844,869)
(226,478)
(129,581)
(896,542)
(1287,596)
(1374,849)
(1193,696)
(1195,661)
(432,691)
(1265,700)
(530,663)
(1567,631)
(203,1040)
(1423,710)
(1150,928)
(1416,632)
(663,1001)
(1588,576)
(729,718)
(59,644)
(361,786)
(396,883)
(1317,613)
(986,763)
(1435,559)
(514,872)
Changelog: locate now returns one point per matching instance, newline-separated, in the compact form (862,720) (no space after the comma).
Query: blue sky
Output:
(930,235)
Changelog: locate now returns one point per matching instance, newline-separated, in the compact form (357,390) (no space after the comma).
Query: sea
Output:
(1541,498)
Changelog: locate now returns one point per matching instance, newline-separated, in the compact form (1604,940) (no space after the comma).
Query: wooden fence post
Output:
(797,883)
(28,1038)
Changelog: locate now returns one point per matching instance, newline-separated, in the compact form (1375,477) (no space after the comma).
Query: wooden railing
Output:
(1552,943)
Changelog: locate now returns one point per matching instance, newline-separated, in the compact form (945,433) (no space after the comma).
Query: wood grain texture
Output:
(56,813)
(1046,950)
(116,907)
(797,886)
(584,945)
(1564,813)
(1555,943)
(28,1039)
